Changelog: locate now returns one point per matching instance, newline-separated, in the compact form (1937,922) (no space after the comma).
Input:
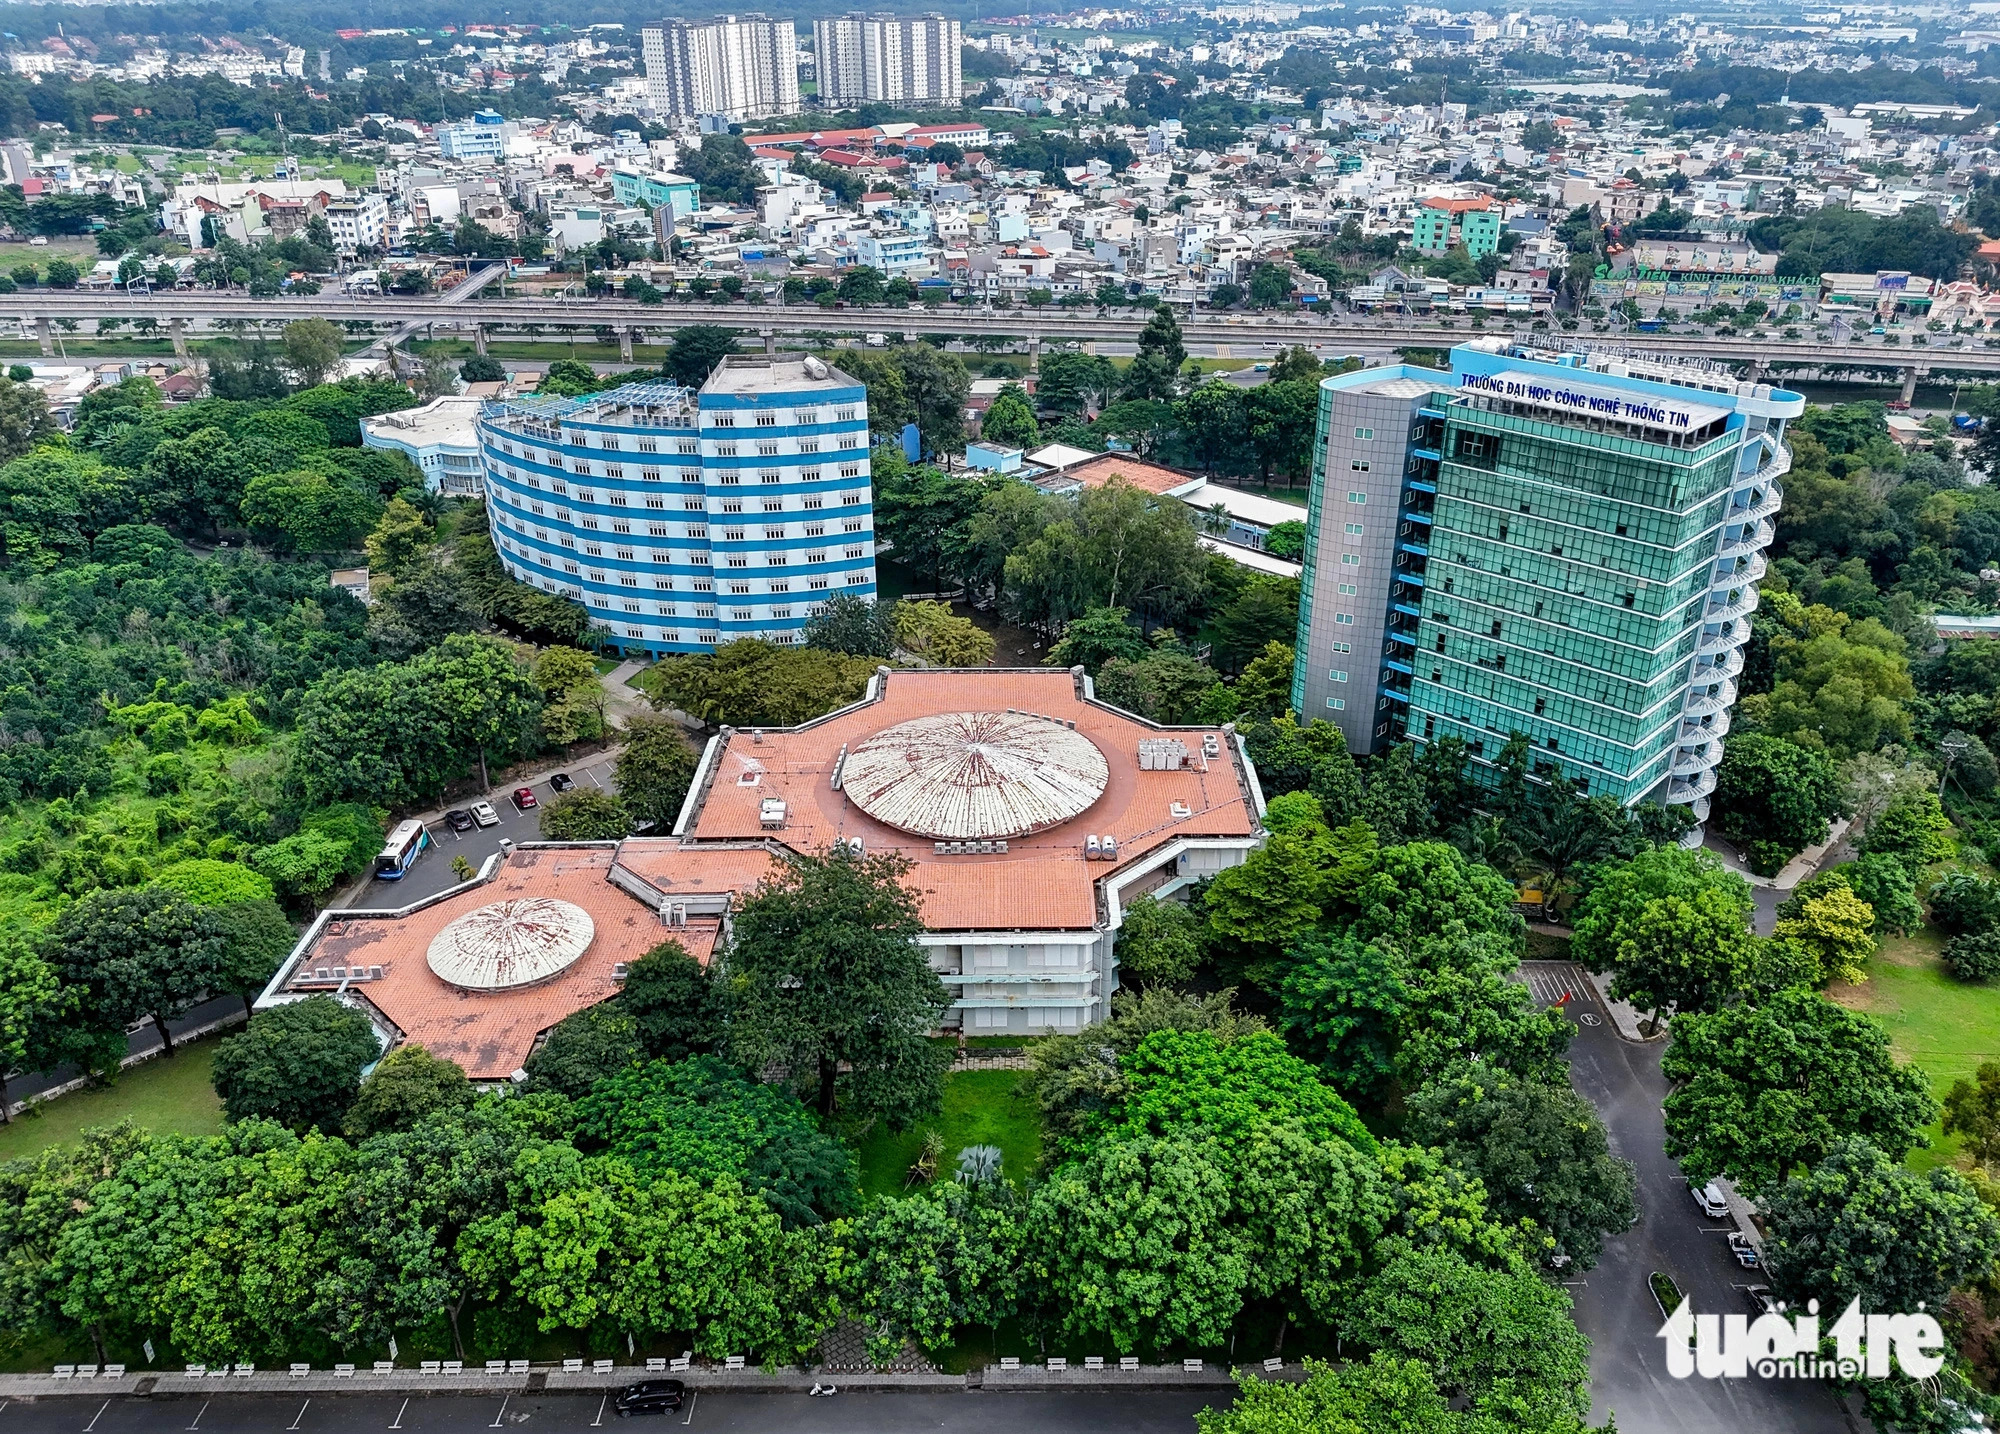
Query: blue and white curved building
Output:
(685,519)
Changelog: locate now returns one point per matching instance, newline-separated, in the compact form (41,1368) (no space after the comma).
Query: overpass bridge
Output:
(477,314)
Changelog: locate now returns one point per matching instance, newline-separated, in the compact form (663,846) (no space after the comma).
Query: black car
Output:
(651,1396)
(561,782)
(458,819)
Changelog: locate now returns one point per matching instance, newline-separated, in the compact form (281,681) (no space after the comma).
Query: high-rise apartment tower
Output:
(1561,545)
(888,59)
(737,66)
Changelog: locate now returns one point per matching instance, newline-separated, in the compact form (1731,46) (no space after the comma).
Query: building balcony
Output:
(1704,726)
(1691,788)
(1744,569)
(1738,601)
(1701,702)
(1730,638)
(1689,760)
(1755,498)
(1751,539)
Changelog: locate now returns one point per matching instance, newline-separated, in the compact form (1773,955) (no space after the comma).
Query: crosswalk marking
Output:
(1552,981)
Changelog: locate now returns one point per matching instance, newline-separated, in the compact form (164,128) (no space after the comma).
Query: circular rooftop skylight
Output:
(510,944)
(975,776)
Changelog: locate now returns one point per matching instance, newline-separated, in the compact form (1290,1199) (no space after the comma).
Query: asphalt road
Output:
(432,872)
(1153,1411)
(1613,1304)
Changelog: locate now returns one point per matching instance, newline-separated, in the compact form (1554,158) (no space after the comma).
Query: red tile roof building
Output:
(1031,813)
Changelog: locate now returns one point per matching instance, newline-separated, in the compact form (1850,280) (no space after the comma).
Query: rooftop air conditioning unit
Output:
(1092,848)
(771,814)
(618,971)
(1110,848)
(854,845)
(677,915)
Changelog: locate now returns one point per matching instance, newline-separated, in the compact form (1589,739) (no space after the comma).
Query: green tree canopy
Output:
(1761,1091)
(824,971)
(298,1064)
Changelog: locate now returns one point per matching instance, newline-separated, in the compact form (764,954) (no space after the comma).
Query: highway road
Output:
(1125,1412)
(1251,332)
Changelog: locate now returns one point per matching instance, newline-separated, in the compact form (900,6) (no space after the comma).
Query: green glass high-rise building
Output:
(1560,545)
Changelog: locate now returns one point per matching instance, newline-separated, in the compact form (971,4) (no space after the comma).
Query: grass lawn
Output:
(163,1095)
(1942,1025)
(980,1108)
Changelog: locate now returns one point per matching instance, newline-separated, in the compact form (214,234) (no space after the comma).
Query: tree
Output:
(313,349)
(675,1002)
(583,1049)
(854,626)
(1962,902)
(1159,941)
(1913,830)
(1501,1338)
(1694,953)
(1775,797)
(1886,886)
(569,378)
(407,1086)
(256,938)
(29,998)
(752,683)
(304,866)
(1975,957)
(696,350)
(702,1119)
(1385,1395)
(931,630)
(298,1064)
(482,368)
(944,1259)
(1136,1239)
(136,952)
(308,511)
(24,419)
(1099,636)
(585,814)
(824,971)
(654,771)
(1835,927)
(1540,1149)
(573,697)
(403,534)
(1972,1109)
(1858,1225)
(1619,892)
(1764,1090)
(1010,420)
(936,385)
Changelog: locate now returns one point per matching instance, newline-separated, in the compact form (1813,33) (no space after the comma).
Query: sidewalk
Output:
(1805,864)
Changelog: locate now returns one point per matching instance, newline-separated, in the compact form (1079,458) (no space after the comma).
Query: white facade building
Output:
(888,58)
(441,438)
(740,67)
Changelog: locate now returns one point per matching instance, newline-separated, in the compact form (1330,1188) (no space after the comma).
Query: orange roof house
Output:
(1030,812)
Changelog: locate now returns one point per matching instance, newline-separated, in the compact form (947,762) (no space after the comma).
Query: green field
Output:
(980,1108)
(165,1095)
(1944,1026)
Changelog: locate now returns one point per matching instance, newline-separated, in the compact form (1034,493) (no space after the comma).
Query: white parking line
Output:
(399,1416)
(599,1420)
(97,1416)
(691,1399)
(300,1415)
(502,1414)
(199,1412)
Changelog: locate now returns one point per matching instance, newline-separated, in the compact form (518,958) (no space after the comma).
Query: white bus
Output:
(406,843)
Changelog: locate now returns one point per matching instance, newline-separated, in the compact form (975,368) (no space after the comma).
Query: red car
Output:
(524,798)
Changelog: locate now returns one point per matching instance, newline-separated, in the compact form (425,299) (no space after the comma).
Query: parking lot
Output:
(432,871)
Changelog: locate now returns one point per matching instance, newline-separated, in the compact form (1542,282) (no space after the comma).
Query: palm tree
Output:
(1560,835)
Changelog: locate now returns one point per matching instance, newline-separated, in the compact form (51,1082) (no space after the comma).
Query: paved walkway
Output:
(623,702)
(1796,870)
